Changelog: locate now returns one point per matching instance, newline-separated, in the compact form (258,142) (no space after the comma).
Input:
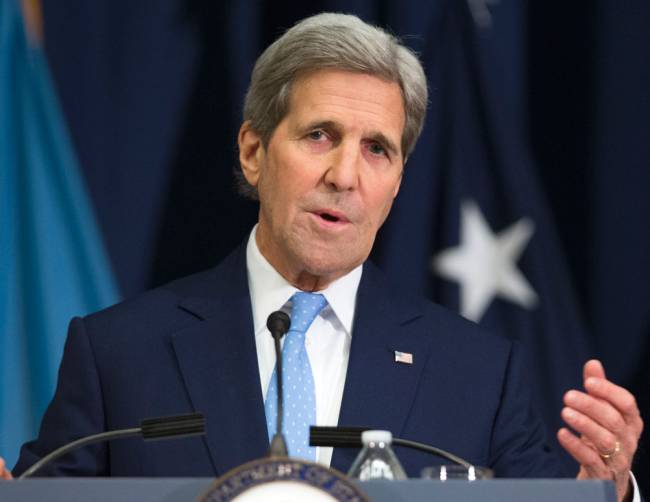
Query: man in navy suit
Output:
(334,109)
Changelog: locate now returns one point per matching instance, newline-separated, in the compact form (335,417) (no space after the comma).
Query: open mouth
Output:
(329,217)
(332,216)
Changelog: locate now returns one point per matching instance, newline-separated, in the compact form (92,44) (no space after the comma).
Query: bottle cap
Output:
(376,437)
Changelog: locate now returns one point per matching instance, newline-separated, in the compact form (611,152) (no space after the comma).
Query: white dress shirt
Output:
(327,340)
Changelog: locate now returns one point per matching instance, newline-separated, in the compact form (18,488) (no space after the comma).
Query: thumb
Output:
(593,368)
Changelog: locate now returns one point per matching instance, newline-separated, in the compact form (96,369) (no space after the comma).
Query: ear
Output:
(251,152)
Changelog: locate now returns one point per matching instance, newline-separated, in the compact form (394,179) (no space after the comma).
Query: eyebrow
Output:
(374,136)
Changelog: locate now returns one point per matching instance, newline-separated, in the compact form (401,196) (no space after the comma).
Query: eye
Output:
(316,135)
(377,149)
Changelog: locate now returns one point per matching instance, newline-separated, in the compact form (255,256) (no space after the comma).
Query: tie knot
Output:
(305,308)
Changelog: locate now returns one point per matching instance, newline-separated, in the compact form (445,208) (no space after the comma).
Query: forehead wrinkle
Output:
(345,103)
(322,87)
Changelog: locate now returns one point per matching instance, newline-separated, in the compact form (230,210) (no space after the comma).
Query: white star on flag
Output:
(485,264)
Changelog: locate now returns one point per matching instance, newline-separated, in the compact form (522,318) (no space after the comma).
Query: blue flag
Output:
(52,264)
(471,228)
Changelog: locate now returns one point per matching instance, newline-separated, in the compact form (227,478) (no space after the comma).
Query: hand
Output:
(609,422)
(4,472)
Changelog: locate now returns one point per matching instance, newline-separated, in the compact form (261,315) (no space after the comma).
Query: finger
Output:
(4,472)
(602,439)
(586,456)
(619,397)
(593,368)
(592,466)
(598,410)
(621,446)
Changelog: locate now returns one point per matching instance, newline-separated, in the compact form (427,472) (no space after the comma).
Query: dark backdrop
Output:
(152,92)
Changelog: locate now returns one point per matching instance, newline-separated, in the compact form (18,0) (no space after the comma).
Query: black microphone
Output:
(278,323)
(350,437)
(177,426)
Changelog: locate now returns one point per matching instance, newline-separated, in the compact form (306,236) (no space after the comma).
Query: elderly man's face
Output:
(328,178)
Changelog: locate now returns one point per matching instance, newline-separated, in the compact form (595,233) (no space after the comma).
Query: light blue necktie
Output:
(298,380)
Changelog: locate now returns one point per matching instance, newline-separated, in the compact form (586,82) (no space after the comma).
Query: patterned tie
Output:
(298,380)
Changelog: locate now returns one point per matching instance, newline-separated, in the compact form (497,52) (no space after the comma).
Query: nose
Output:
(344,167)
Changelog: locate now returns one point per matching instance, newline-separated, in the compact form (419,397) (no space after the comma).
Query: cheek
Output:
(383,203)
(287,169)
(297,185)
(385,211)
(280,190)
(273,181)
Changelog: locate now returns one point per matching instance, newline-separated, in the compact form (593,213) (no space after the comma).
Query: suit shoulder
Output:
(162,296)
(152,314)
(432,319)
(453,325)
(162,303)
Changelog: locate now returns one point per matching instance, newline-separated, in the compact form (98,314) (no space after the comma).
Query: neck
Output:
(298,277)
(309,282)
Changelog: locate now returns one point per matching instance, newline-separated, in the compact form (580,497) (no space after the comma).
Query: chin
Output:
(332,264)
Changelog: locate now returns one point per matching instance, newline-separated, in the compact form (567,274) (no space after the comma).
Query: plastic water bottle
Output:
(376,459)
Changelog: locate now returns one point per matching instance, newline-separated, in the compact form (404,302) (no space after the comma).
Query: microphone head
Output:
(278,323)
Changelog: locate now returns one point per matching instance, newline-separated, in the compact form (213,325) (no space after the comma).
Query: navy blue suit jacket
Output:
(189,346)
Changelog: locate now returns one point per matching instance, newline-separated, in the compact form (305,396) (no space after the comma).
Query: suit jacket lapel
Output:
(218,361)
(378,390)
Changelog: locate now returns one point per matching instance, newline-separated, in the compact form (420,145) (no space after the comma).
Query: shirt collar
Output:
(270,291)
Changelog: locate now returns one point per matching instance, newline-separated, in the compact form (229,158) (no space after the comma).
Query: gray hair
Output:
(334,41)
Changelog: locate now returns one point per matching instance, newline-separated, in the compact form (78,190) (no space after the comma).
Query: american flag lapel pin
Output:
(403,357)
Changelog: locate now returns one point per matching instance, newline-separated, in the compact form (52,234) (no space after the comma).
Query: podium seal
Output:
(283,479)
